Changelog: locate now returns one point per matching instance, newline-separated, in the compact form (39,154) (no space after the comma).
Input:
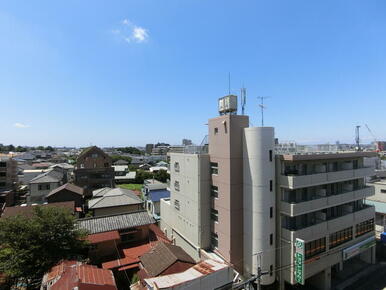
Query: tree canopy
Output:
(30,246)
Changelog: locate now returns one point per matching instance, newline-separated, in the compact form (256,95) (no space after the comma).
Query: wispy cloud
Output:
(21,125)
(129,32)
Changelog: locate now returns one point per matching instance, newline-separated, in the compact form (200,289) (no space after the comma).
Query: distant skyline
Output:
(127,73)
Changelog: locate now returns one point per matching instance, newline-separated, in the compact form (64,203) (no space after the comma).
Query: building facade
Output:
(8,180)
(252,206)
(93,170)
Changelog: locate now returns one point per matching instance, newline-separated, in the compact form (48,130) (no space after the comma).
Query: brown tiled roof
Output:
(103,237)
(28,210)
(68,186)
(162,256)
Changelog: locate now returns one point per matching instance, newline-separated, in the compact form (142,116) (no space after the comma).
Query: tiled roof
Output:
(131,257)
(114,197)
(70,187)
(162,256)
(28,210)
(103,237)
(75,275)
(49,176)
(115,222)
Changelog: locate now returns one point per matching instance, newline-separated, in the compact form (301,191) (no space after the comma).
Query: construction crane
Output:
(375,139)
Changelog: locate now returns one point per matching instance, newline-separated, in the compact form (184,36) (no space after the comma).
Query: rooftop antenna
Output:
(261,105)
(243,94)
(229,83)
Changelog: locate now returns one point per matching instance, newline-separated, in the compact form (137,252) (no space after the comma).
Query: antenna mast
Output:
(243,94)
(261,105)
(357,140)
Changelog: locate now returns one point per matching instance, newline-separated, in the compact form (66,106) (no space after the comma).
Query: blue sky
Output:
(115,73)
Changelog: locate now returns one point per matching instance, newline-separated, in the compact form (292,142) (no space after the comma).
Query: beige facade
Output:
(320,200)
(185,216)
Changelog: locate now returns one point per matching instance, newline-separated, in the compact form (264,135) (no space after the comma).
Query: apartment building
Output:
(8,180)
(320,202)
(252,207)
(93,170)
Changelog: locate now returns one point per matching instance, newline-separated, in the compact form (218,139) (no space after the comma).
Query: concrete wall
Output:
(226,149)
(38,196)
(259,201)
(190,224)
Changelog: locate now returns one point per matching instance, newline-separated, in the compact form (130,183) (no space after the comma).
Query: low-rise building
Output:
(41,185)
(67,192)
(8,180)
(77,275)
(107,201)
(93,170)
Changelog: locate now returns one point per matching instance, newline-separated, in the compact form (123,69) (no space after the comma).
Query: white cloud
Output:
(21,125)
(129,32)
(140,34)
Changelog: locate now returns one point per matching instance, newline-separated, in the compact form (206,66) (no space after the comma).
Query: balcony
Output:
(293,180)
(321,202)
(322,228)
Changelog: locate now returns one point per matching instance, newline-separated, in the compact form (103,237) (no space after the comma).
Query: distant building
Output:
(149,148)
(186,142)
(107,201)
(8,180)
(121,162)
(41,185)
(93,170)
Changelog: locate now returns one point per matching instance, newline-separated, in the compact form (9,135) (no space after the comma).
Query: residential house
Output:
(122,174)
(118,240)
(41,185)
(27,210)
(93,170)
(107,201)
(152,201)
(67,192)
(164,259)
(77,275)
(121,162)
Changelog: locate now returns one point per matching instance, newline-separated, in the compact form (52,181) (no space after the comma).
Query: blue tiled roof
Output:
(156,195)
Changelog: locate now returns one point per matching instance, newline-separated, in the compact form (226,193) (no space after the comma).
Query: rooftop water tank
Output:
(227,104)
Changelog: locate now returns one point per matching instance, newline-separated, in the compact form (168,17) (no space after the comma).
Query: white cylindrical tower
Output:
(259,202)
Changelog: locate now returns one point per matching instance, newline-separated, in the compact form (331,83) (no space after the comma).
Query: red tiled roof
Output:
(103,237)
(159,235)
(132,266)
(71,274)
(131,256)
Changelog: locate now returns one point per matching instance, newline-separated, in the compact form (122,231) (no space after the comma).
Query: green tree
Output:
(49,148)
(30,246)
(115,158)
(161,175)
(142,175)
(40,148)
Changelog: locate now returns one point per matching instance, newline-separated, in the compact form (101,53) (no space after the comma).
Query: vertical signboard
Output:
(299,261)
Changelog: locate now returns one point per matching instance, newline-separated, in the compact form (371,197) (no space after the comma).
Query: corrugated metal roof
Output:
(114,197)
(115,222)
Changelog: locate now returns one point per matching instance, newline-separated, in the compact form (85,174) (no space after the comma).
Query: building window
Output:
(3,164)
(2,184)
(270,185)
(270,270)
(214,168)
(176,166)
(315,247)
(270,155)
(94,155)
(271,239)
(106,164)
(271,212)
(3,174)
(340,237)
(383,190)
(177,204)
(215,130)
(214,214)
(364,227)
(214,240)
(177,185)
(214,191)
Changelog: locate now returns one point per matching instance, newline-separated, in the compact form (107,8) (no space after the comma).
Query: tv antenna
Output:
(243,94)
(261,105)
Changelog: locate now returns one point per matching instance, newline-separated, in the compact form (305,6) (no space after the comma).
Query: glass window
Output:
(214,214)
(177,204)
(176,166)
(214,191)
(214,168)
(177,185)
(214,240)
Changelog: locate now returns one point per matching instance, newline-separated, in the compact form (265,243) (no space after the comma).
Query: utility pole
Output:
(261,105)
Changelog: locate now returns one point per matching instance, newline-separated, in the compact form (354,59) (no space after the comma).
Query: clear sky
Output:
(117,73)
